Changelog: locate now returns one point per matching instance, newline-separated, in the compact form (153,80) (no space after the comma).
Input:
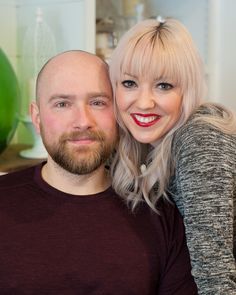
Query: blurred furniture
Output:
(10,160)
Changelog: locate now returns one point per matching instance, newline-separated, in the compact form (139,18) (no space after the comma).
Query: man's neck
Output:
(88,184)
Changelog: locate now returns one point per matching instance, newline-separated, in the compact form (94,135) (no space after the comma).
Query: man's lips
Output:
(145,120)
(87,137)
(82,140)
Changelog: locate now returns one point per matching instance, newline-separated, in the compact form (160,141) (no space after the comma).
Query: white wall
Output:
(227,49)
(70,20)
(8,30)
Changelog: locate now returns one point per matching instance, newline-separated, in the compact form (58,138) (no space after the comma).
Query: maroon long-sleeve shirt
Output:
(56,243)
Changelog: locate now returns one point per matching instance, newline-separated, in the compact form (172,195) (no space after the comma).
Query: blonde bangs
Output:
(154,61)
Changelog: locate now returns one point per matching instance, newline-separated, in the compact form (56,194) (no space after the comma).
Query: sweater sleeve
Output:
(205,181)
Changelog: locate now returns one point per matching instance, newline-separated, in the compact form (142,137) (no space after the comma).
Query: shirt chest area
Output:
(65,252)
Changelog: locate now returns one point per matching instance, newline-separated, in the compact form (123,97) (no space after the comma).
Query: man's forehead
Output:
(72,62)
(78,65)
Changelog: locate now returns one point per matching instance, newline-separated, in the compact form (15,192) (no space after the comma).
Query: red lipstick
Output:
(145,120)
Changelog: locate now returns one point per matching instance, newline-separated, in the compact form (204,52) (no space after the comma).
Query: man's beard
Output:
(82,159)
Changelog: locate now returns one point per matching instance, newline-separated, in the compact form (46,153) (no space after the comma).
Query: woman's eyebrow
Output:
(131,75)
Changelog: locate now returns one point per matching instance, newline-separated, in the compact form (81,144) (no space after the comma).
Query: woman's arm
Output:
(205,182)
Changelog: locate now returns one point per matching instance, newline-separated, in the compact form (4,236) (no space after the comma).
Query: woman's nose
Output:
(146,100)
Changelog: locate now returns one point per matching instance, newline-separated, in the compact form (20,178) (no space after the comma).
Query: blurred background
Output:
(31,31)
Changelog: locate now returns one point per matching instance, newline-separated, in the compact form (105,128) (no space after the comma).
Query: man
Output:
(63,230)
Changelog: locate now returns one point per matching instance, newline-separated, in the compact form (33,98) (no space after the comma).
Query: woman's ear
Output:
(35,117)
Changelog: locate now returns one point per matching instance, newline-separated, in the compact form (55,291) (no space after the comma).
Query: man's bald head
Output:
(67,59)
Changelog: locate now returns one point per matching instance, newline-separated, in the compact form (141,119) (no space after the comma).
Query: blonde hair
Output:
(157,50)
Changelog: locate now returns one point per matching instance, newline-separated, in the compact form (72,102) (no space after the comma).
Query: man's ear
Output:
(34,112)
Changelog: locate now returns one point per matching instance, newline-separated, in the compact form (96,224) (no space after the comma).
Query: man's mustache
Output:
(79,135)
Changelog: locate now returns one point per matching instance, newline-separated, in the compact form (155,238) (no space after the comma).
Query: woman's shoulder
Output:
(213,111)
(208,122)
(208,113)
(205,129)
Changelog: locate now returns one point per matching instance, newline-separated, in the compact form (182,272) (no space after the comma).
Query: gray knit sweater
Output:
(204,189)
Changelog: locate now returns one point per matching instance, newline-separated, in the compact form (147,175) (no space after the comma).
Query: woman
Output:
(174,145)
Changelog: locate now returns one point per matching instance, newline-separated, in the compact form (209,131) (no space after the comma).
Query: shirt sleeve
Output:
(205,180)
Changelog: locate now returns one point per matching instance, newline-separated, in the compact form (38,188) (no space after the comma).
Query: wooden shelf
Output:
(10,159)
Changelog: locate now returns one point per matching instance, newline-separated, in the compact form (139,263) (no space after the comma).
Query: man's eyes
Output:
(98,103)
(62,104)
(94,102)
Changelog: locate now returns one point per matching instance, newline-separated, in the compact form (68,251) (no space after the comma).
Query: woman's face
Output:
(149,108)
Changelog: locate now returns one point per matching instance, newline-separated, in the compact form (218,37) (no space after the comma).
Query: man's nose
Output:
(82,118)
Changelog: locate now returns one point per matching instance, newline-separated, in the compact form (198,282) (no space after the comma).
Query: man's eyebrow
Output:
(61,96)
(99,94)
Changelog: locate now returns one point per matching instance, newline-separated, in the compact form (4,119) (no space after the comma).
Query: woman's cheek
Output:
(124,100)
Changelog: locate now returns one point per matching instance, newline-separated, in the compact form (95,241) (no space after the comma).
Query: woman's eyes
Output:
(164,86)
(161,85)
(128,83)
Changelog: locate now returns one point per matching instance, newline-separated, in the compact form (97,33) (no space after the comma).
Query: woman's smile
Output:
(145,120)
